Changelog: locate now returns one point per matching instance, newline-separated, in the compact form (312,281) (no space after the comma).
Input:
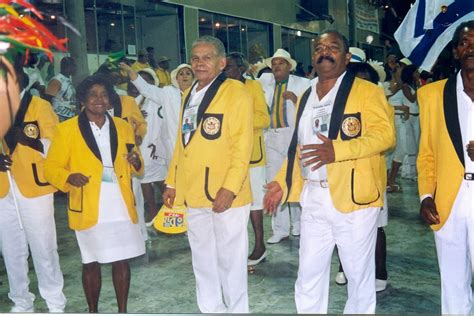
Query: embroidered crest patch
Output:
(31,130)
(351,126)
(211,125)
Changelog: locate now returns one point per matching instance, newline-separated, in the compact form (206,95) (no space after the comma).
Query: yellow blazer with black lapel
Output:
(37,120)
(356,178)
(218,152)
(128,110)
(440,160)
(261,120)
(74,150)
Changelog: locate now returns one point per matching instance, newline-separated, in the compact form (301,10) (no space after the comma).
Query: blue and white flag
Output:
(429,26)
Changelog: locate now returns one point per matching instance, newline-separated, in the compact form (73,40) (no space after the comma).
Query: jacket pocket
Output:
(260,157)
(75,199)
(36,176)
(364,189)
(206,185)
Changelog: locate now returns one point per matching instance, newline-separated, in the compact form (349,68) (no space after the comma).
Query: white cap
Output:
(174,74)
(358,55)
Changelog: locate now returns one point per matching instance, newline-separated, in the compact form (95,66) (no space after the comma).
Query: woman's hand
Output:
(77,180)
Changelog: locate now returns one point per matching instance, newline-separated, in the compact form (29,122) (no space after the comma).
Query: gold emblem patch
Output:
(31,130)
(211,125)
(351,126)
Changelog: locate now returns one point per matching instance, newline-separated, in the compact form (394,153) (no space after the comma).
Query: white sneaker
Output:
(380,285)
(295,232)
(275,239)
(340,278)
(21,309)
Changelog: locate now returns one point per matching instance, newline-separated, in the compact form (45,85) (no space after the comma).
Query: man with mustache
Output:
(446,172)
(281,93)
(336,170)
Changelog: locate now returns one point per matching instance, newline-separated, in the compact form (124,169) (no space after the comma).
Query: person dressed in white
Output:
(281,94)
(410,82)
(167,101)
(446,173)
(209,173)
(343,128)
(32,225)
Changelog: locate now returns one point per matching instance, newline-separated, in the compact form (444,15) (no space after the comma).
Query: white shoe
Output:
(295,232)
(275,239)
(254,262)
(380,285)
(21,309)
(150,223)
(340,278)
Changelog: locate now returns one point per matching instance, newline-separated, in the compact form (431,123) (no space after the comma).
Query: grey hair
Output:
(214,41)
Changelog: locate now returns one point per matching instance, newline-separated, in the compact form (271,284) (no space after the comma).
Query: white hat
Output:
(174,74)
(378,66)
(152,73)
(281,53)
(406,61)
(358,55)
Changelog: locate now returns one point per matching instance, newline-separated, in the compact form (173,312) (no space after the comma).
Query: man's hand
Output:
(318,154)
(132,158)
(168,197)
(223,200)
(470,150)
(288,95)
(428,211)
(5,162)
(77,180)
(132,74)
(272,197)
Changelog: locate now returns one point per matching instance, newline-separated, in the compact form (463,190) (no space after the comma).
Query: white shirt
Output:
(306,133)
(396,99)
(413,106)
(195,99)
(102,138)
(466,120)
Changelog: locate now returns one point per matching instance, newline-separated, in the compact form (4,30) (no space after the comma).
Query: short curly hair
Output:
(83,89)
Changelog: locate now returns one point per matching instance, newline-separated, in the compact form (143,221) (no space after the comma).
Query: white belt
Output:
(319,183)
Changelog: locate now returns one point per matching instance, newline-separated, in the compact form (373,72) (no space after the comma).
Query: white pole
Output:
(10,180)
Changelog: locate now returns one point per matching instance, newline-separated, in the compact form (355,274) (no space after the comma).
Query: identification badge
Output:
(320,119)
(190,119)
(108,175)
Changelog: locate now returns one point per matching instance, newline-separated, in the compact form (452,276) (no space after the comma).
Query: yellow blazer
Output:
(218,152)
(130,112)
(163,76)
(440,160)
(74,150)
(261,120)
(361,130)
(37,120)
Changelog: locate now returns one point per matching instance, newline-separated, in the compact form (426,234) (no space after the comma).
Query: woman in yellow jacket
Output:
(92,157)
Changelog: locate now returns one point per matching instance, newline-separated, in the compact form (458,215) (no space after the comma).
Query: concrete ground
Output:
(163,280)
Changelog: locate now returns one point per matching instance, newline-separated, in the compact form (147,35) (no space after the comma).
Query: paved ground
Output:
(163,281)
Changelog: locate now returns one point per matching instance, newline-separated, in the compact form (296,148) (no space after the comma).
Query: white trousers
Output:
(323,227)
(37,215)
(219,248)
(412,132)
(454,246)
(277,142)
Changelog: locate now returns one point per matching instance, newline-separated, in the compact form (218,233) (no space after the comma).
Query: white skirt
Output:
(114,237)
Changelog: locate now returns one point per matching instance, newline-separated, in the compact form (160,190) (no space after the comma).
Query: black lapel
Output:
(294,141)
(113,137)
(206,101)
(340,104)
(117,105)
(451,116)
(10,138)
(86,131)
